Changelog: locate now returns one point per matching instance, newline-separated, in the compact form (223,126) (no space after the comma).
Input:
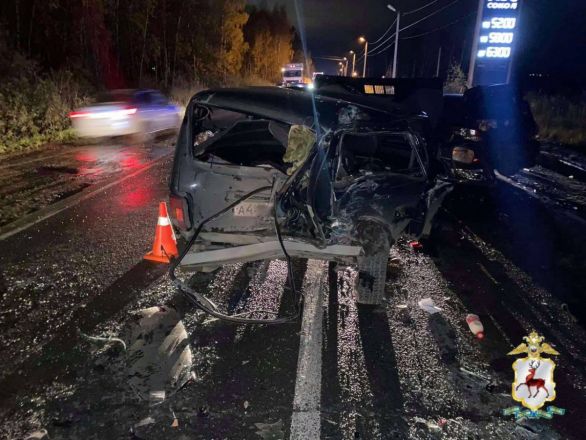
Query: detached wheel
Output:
(372,267)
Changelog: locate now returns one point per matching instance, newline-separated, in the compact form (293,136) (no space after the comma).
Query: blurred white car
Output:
(126,112)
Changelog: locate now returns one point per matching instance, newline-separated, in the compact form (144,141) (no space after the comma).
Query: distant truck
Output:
(293,75)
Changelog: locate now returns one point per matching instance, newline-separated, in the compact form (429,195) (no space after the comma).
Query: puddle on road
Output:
(33,183)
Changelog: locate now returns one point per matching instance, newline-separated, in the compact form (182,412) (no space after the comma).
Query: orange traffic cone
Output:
(165,245)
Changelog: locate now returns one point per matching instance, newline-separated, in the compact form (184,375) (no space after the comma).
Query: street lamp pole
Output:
(353,62)
(363,40)
(395,56)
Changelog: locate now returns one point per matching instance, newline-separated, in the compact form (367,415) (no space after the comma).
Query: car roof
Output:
(287,105)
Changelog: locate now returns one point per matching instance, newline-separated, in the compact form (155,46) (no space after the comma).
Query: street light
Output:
(363,40)
(396,39)
(353,62)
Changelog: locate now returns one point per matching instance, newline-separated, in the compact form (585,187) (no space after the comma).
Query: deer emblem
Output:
(534,372)
(531,381)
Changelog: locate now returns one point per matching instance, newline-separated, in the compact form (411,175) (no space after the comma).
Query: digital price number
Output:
(496,37)
(497,31)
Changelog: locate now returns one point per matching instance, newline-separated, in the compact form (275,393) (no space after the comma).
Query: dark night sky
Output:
(552,33)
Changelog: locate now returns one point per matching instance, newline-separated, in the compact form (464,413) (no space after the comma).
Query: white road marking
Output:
(306,419)
(48,212)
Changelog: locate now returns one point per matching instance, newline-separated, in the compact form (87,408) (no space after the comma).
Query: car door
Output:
(166,117)
(146,110)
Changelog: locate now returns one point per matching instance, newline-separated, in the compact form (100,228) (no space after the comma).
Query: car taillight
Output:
(129,110)
(73,115)
(180,212)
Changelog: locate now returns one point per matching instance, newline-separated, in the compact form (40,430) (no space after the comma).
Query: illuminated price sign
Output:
(496,36)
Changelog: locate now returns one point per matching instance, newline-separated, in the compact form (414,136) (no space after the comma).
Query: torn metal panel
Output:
(159,358)
(269,250)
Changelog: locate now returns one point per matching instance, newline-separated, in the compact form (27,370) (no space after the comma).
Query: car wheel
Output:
(372,267)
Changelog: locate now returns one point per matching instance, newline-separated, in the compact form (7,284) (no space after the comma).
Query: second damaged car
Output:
(263,173)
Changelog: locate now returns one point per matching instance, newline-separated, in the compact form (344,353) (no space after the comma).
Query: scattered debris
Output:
(475,374)
(429,306)
(175,423)
(523,432)
(159,358)
(107,340)
(144,422)
(246,404)
(209,321)
(394,266)
(38,435)
(141,429)
(475,325)
(416,245)
(270,431)
(203,411)
(485,271)
(401,306)
(442,422)
(156,397)
(431,425)
(245,362)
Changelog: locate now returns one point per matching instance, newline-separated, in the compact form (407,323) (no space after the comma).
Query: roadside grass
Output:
(34,107)
(560,119)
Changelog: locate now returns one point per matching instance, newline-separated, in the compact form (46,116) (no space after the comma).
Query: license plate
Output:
(252,209)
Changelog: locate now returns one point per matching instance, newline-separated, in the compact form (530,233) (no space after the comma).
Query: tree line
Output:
(151,42)
(58,54)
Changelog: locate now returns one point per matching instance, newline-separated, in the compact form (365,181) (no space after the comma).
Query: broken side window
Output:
(240,139)
(370,153)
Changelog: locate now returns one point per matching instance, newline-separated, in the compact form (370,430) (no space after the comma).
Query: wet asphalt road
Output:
(386,373)
(35,180)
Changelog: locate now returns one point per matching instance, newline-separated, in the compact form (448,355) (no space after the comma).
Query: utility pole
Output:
(363,40)
(397,28)
(353,62)
(439,60)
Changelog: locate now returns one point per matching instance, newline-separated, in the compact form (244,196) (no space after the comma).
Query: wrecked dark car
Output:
(471,135)
(485,129)
(262,173)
